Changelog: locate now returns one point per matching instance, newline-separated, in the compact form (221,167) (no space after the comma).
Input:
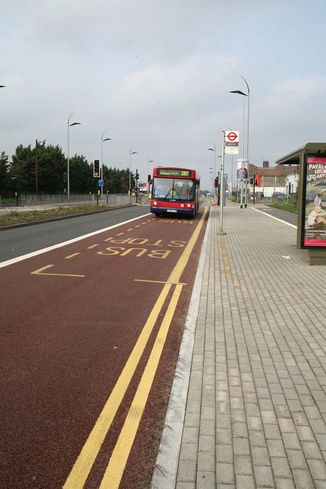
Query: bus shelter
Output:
(311,202)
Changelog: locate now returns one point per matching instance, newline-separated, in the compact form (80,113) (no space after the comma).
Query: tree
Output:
(116,181)
(51,168)
(22,169)
(81,176)
(4,174)
(39,169)
(43,169)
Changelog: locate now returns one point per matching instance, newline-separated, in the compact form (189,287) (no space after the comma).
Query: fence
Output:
(114,200)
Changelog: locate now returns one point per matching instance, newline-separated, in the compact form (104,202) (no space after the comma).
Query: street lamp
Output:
(69,124)
(240,92)
(131,152)
(148,165)
(102,164)
(2,86)
(213,148)
(149,176)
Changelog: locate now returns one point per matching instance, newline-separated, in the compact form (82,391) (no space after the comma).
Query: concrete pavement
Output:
(248,403)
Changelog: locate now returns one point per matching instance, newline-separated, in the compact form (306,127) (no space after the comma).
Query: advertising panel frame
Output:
(313,215)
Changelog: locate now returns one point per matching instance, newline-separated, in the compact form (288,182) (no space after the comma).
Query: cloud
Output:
(157,74)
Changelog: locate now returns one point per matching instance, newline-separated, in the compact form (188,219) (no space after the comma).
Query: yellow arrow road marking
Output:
(40,271)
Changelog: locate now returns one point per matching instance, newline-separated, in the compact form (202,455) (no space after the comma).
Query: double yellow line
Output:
(120,454)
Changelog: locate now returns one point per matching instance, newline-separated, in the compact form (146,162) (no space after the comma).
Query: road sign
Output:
(231,142)
(231,137)
(101,183)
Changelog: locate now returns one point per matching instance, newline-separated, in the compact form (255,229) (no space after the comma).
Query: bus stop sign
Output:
(231,142)
(231,137)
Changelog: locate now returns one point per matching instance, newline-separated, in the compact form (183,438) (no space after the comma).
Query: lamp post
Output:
(247,95)
(240,92)
(69,124)
(103,139)
(211,178)
(213,148)
(131,152)
(149,161)
(148,176)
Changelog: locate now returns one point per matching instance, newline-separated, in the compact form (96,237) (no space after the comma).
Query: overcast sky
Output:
(155,76)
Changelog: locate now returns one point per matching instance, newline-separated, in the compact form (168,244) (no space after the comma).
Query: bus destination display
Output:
(172,172)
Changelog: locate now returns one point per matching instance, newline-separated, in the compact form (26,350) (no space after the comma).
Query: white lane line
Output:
(273,217)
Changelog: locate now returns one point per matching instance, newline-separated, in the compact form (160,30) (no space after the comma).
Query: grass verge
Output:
(285,206)
(22,217)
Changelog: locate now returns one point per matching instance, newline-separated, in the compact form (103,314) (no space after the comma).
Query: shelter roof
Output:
(293,158)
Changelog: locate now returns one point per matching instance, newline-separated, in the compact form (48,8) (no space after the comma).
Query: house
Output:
(273,179)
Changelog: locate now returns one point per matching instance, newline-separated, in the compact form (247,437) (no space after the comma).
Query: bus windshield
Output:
(173,189)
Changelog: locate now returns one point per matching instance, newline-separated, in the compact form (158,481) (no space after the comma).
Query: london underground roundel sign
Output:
(231,136)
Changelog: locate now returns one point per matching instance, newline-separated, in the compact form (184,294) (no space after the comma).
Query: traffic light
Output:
(137,175)
(216,182)
(96,169)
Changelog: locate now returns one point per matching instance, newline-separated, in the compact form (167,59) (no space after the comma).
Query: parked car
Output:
(279,196)
(258,195)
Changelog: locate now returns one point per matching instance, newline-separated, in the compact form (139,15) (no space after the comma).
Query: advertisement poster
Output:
(315,202)
(242,170)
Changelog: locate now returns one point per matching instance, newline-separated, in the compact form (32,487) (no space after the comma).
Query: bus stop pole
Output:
(220,231)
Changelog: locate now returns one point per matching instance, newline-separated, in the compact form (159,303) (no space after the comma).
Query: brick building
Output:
(274,179)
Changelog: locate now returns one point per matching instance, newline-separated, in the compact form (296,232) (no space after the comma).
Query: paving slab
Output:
(254,403)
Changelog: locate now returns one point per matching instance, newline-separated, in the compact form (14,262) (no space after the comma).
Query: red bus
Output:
(174,191)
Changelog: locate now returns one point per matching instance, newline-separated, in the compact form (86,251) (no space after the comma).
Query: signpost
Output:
(230,145)
(231,141)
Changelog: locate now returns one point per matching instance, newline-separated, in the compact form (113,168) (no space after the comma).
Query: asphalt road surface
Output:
(90,334)
(279,214)
(20,240)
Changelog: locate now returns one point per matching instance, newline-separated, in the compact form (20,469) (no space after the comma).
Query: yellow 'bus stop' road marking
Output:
(71,256)
(92,246)
(83,465)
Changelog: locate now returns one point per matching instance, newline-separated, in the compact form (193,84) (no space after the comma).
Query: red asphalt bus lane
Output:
(70,320)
